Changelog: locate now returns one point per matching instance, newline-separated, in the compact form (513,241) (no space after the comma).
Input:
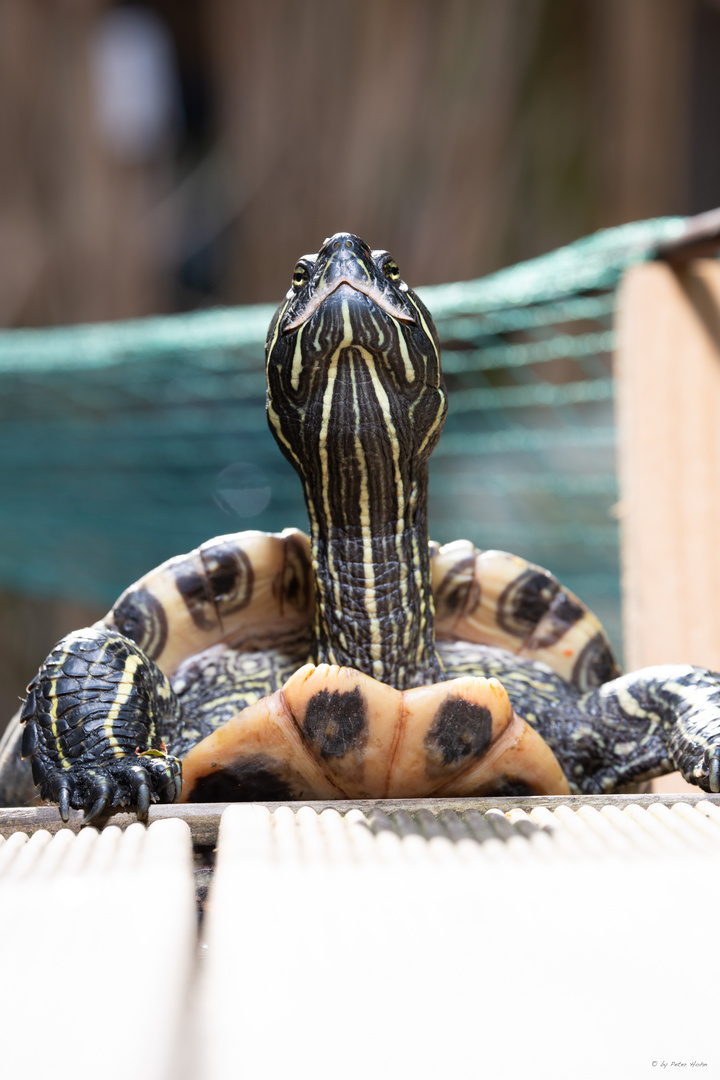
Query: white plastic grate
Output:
(565,943)
(97,938)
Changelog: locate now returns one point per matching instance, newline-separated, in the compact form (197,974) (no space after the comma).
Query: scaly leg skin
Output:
(654,721)
(631,728)
(95,717)
(694,741)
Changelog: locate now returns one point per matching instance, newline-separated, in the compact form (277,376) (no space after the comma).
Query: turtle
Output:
(362,660)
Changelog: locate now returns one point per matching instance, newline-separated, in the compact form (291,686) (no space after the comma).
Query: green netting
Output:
(125,443)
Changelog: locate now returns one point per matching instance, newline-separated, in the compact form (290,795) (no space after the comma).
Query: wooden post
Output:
(668,413)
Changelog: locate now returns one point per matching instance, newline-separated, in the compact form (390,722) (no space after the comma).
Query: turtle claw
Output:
(143,801)
(99,789)
(709,772)
(141,785)
(64,803)
(95,810)
(102,793)
(714,775)
(164,775)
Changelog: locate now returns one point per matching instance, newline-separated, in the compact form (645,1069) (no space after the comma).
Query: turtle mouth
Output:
(373,293)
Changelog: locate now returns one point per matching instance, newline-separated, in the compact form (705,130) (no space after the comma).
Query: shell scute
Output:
(228,574)
(445,728)
(363,725)
(247,589)
(194,587)
(514,605)
(455,586)
(140,615)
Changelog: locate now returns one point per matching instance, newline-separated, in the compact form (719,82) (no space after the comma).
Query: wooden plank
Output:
(203,819)
(668,411)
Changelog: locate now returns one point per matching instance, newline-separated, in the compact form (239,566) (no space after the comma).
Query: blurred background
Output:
(177,155)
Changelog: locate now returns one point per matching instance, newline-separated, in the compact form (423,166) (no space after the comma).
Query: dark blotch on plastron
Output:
(195,591)
(595,665)
(141,617)
(524,602)
(336,722)
(243,781)
(460,730)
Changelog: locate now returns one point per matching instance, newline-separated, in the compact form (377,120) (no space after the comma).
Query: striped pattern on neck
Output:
(356,403)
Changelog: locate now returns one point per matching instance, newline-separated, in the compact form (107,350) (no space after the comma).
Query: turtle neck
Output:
(367,505)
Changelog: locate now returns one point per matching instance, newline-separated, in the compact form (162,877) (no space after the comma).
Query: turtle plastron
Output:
(260,749)
(333,731)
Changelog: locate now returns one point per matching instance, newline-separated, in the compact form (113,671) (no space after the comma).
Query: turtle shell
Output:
(231,625)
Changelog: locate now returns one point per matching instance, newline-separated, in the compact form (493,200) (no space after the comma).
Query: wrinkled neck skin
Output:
(374,608)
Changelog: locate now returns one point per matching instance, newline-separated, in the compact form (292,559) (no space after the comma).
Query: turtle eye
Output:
(390,269)
(300,276)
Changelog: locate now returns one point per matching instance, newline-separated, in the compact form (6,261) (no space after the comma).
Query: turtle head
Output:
(352,354)
(346,260)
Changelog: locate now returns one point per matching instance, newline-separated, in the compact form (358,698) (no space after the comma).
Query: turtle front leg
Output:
(644,724)
(694,741)
(95,718)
